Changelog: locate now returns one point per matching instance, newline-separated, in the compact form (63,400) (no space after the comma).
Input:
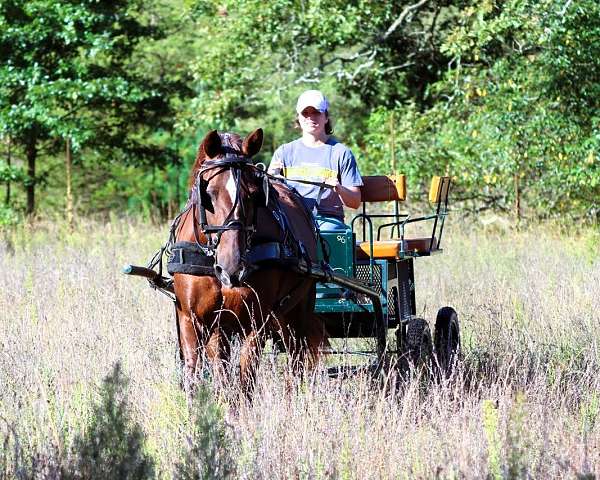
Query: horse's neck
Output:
(301,221)
(185,229)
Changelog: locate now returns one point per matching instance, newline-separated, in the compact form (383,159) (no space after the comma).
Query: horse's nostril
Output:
(222,275)
(243,273)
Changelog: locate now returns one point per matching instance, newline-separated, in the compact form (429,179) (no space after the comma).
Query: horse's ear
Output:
(253,143)
(211,145)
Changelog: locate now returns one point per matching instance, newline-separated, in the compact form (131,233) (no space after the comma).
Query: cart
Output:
(365,294)
(379,328)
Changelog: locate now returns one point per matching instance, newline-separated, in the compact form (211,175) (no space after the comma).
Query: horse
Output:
(236,216)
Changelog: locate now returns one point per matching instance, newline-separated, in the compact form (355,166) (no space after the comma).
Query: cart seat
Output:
(390,249)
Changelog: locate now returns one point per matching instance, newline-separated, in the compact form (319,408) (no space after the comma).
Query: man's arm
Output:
(348,185)
(276,165)
(351,196)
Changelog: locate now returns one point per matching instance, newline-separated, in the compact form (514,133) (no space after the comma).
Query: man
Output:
(318,157)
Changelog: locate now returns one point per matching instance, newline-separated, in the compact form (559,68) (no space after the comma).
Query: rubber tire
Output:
(446,341)
(418,344)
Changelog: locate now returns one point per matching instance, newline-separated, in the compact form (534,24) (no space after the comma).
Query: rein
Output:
(235,163)
(198,257)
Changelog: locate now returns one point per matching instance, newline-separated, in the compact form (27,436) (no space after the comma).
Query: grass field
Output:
(525,402)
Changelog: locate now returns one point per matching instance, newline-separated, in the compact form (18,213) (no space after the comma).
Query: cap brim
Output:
(300,110)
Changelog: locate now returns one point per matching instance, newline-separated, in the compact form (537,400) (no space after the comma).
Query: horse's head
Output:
(227,187)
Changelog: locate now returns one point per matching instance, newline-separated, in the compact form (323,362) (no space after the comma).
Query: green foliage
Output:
(589,412)
(59,57)
(150,192)
(501,95)
(352,51)
(8,173)
(68,71)
(113,444)
(9,176)
(516,113)
(489,414)
(208,454)
(516,436)
(8,216)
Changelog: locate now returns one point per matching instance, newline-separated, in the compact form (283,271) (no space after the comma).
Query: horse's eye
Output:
(205,197)
(257,196)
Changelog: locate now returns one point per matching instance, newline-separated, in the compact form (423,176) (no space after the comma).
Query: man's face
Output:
(312,121)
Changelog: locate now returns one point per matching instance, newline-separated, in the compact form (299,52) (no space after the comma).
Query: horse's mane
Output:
(232,140)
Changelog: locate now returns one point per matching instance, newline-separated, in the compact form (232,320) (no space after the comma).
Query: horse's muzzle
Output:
(231,279)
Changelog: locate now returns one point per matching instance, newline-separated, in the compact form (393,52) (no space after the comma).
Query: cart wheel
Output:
(418,345)
(447,340)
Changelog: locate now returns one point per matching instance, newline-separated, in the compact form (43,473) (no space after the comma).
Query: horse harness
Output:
(198,258)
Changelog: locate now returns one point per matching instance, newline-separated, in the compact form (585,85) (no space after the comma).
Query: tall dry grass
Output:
(525,402)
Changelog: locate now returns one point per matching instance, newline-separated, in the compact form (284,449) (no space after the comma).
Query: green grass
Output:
(524,401)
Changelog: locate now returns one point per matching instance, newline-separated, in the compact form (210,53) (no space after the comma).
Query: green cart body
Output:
(385,266)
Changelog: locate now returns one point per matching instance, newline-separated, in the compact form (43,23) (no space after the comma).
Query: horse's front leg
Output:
(190,345)
(217,353)
(197,300)
(250,353)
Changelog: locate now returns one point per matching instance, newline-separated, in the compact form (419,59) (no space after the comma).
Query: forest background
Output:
(103,104)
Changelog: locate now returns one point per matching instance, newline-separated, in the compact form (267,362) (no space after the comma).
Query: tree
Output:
(501,95)
(364,54)
(515,118)
(67,76)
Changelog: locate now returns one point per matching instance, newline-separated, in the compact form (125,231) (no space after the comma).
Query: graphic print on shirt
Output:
(332,160)
(312,172)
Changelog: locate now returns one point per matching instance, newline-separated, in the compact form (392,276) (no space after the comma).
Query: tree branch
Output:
(565,8)
(398,67)
(401,18)
(368,52)
(434,25)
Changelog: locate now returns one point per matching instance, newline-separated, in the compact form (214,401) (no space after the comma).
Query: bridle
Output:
(236,163)
(198,256)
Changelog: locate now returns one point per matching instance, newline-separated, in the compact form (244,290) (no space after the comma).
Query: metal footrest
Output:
(331,351)
(347,371)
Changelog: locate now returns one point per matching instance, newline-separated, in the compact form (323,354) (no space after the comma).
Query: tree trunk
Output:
(68,165)
(8,162)
(31,153)
(393,142)
(517,199)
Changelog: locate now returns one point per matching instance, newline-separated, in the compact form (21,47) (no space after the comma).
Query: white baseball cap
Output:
(312,98)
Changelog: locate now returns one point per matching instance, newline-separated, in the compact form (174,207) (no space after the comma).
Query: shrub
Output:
(208,454)
(113,444)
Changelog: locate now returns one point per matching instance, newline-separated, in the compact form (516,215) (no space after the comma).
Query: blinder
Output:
(235,162)
(204,197)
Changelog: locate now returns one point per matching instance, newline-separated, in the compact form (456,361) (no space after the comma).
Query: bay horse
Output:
(247,231)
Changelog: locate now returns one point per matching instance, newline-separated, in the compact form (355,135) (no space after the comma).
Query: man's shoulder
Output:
(339,149)
(287,147)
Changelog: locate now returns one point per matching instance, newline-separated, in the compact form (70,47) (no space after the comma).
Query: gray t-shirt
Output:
(316,164)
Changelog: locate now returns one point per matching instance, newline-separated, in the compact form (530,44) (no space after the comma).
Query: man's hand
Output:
(350,196)
(275,167)
(332,182)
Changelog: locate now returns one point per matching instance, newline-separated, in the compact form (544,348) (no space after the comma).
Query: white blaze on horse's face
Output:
(229,267)
(231,187)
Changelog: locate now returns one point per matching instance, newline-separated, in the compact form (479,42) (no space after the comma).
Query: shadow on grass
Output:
(113,444)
